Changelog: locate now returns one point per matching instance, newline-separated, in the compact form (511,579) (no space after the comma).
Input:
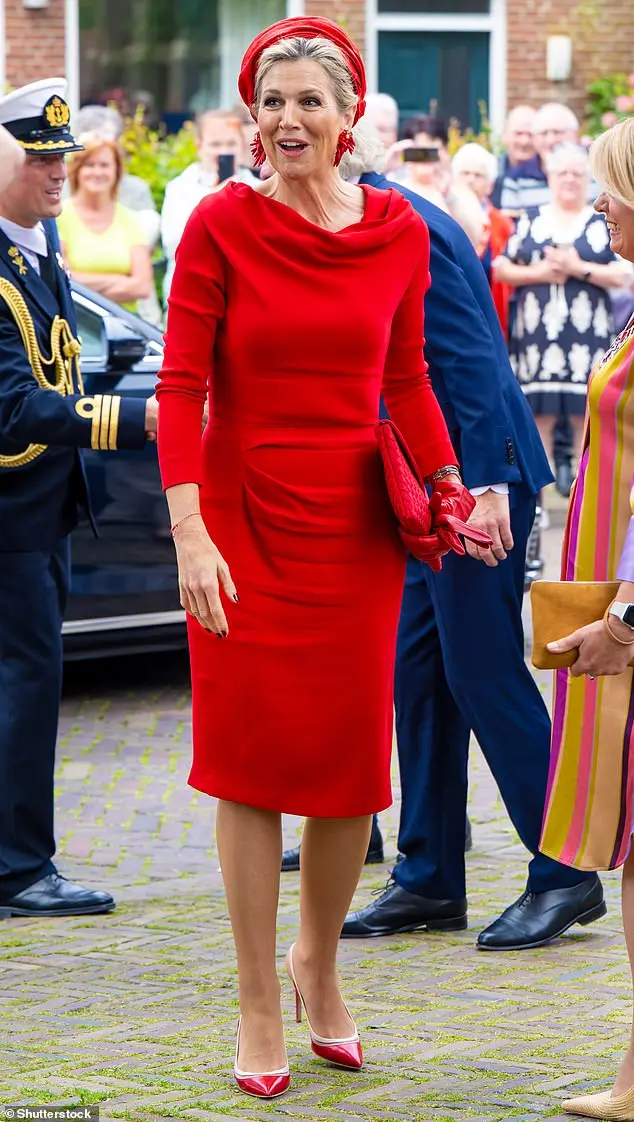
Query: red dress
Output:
(296,331)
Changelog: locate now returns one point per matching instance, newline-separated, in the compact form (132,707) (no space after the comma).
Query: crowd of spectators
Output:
(559,291)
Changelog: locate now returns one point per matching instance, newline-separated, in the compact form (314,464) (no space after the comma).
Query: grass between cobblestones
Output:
(136,1011)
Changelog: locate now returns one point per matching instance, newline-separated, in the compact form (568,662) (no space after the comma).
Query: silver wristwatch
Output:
(624,612)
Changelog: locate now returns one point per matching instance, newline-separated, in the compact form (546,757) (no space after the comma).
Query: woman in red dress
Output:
(293,307)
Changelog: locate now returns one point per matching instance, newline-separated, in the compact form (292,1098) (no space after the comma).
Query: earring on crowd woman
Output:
(257,151)
(345,143)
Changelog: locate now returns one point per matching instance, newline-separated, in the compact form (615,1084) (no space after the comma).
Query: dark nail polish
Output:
(236,598)
(220,634)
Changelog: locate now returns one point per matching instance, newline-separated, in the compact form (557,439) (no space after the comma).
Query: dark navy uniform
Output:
(45,421)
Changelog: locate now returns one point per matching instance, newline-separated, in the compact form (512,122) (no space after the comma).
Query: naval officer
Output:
(45,421)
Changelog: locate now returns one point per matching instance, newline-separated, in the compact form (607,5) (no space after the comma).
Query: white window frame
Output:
(493,22)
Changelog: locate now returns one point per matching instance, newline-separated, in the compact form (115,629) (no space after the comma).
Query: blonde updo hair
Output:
(320,50)
(612,161)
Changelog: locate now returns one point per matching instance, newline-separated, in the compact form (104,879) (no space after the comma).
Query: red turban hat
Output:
(302,27)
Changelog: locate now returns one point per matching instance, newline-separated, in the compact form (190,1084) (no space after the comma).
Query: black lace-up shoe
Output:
(538,917)
(53,895)
(396,910)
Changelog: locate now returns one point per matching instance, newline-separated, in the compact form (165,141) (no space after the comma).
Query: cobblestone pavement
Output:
(136,1011)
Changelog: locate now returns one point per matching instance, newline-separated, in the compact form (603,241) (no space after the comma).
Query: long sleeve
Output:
(196,305)
(407,390)
(31,414)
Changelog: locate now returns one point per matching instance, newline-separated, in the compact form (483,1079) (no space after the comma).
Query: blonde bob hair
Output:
(612,161)
(94,143)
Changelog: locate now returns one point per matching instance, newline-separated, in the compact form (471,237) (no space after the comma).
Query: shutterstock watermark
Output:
(62,1114)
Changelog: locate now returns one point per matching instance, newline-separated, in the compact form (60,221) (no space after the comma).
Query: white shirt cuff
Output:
(499,488)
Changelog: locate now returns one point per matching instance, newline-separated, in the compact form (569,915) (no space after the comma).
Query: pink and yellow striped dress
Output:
(590,799)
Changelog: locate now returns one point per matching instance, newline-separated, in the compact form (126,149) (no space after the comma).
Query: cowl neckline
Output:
(387,215)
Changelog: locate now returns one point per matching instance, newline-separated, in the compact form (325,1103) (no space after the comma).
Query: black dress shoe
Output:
(374,856)
(398,910)
(538,917)
(53,895)
(290,860)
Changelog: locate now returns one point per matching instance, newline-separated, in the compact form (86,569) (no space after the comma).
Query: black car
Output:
(124,583)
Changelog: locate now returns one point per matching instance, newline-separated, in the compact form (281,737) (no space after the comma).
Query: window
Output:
(92,332)
(184,54)
(435,7)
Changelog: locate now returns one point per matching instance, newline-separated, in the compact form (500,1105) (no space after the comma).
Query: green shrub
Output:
(155,156)
(610,99)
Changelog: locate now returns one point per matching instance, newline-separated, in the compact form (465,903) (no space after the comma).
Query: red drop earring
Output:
(346,143)
(257,151)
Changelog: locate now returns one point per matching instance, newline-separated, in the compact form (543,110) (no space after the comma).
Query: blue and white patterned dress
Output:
(560,330)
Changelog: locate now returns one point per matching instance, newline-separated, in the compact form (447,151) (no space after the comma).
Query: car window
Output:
(92,333)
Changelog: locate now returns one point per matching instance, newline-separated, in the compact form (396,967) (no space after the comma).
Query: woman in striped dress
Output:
(590,804)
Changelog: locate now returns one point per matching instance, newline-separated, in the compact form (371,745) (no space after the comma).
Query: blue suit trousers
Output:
(33,591)
(460,667)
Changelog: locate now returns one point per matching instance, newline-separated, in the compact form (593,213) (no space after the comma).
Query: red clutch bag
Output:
(427,527)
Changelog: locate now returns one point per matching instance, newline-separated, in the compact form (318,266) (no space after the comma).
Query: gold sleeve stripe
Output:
(114,423)
(103,411)
(105,422)
(96,421)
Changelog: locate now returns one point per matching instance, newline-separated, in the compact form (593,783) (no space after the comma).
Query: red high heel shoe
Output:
(344,1051)
(264,1084)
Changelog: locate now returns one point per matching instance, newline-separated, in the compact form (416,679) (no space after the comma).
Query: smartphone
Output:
(421,155)
(226,166)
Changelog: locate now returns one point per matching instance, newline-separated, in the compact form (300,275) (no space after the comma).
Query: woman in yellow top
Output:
(102,240)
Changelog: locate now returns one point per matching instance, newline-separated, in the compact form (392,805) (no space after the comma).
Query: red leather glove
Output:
(451,505)
(428,548)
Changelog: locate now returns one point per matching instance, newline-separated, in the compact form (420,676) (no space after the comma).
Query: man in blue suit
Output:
(45,419)
(460,657)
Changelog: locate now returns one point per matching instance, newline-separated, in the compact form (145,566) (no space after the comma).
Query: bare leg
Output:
(545,422)
(250,850)
(625,1078)
(333,853)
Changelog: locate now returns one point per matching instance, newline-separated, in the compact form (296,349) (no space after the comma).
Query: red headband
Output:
(302,28)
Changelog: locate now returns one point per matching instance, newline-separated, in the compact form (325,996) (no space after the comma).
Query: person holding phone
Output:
(427,172)
(220,150)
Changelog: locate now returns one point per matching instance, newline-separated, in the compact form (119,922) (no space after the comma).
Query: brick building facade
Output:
(501,43)
(34,41)
(602,34)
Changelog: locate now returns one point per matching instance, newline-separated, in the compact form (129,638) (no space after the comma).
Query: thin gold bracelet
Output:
(623,642)
(184,519)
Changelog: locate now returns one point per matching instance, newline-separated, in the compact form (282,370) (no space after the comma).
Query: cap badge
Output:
(57,112)
(17,259)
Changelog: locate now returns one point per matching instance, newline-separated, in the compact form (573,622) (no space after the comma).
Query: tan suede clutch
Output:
(560,607)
